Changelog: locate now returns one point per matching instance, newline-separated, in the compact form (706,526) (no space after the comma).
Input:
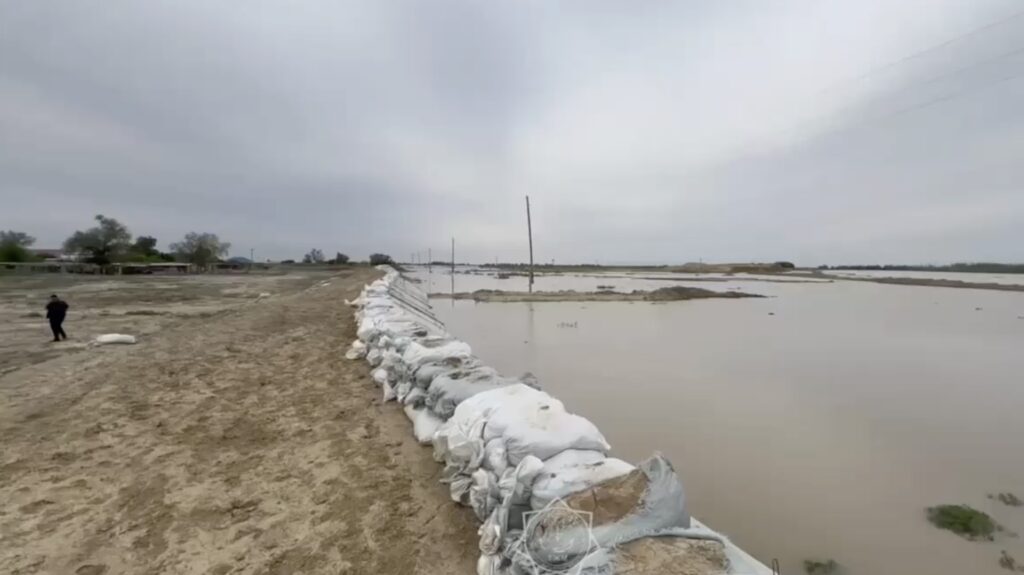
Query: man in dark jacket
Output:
(55,312)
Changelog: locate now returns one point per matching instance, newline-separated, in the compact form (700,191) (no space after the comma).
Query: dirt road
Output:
(238,442)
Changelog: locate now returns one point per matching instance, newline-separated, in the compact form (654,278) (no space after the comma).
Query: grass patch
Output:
(827,567)
(963,520)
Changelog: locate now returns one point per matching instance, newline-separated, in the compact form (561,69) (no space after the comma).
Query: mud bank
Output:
(675,293)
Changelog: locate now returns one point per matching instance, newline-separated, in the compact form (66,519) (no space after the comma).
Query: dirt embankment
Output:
(939,283)
(675,293)
(241,442)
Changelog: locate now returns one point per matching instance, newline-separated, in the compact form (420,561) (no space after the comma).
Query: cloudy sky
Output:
(643,131)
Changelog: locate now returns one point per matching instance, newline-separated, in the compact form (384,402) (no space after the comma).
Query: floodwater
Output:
(968,277)
(817,423)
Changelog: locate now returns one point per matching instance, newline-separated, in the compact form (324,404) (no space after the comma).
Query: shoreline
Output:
(675,293)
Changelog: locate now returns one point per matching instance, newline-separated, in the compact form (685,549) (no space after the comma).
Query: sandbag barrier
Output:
(539,478)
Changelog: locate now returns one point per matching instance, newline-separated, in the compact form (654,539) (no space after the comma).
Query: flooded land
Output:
(817,423)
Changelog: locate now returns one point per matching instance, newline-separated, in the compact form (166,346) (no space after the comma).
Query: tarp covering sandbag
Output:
(537,476)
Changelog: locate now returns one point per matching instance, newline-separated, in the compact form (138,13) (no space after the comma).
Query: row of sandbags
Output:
(538,477)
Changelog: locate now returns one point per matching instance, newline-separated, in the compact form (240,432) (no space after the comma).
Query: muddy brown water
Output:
(818,423)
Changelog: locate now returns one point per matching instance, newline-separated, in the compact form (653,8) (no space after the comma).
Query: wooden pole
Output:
(453,256)
(529,231)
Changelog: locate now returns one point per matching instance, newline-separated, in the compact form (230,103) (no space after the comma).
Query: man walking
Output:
(55,312)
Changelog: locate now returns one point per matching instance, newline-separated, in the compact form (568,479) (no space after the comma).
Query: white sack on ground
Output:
(109,338)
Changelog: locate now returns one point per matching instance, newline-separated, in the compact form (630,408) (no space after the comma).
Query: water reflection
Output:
(823,430)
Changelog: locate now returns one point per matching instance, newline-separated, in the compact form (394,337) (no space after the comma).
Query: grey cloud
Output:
(650,132)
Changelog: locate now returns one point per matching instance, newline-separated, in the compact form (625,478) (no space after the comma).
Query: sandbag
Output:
(572,471)
(424,423)
(645,502)
(421,352)
(542,428)
(356,351)
(450,389)
(114,338)
(659,555)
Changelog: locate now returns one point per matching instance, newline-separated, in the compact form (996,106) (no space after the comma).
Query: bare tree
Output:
(314,256)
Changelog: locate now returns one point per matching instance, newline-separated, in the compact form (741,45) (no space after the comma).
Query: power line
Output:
(948,97)
(928,50)
(907,87)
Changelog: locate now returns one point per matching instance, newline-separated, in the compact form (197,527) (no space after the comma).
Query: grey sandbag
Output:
(447,391)
(560,534)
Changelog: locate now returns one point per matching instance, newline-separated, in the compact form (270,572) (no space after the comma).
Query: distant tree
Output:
(200,249)
(380,259)
(314,256)
(145,246)
(14,246)
(340,258)
(102,244)
(287,261)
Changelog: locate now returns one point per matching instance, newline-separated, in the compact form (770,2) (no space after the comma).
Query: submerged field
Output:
(820,422)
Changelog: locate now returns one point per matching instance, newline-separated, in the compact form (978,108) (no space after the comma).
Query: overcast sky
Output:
(643,131)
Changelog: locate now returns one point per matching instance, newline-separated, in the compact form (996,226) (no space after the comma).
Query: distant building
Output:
(49,255)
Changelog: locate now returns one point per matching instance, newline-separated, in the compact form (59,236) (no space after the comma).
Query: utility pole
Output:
(453,256)
(252,258)
(430,258)
(529,231)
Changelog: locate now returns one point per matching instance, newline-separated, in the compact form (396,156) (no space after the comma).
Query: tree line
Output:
(110,241)
(316,256)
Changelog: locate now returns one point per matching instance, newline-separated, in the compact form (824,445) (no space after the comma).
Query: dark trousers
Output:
(58,331)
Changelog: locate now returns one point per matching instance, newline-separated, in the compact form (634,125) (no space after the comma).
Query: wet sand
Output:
(238,440)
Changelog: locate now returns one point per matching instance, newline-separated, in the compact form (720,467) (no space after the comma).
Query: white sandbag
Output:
(571,471)
(109,338)
(425,374)
(495,458)
(373,357)
(540,427)
(516,483)
(356,351)
(483,493)
(417,353)
(388,393)
(424,423)
(450,389)
(367,330)
(415,398)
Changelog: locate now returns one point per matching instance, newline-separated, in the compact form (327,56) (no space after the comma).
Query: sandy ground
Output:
(234,438)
